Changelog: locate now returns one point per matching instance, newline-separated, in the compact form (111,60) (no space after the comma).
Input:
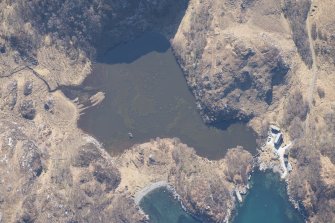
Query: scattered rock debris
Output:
(27,109)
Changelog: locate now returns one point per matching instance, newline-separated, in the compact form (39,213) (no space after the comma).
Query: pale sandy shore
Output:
(142,193)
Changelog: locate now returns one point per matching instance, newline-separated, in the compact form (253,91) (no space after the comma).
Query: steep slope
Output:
(235,61)
(58,39)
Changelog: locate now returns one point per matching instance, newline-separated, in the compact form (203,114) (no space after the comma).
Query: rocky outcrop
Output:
(251,59)
(92,23)
(196,180)
(9,95)
(60,48)
(107,176)
(30,160)
(87,154)
(28,88)
(50,171)
(27,109)
(232,69)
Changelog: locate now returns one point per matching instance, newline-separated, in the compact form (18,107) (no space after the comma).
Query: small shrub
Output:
(314,32)
(296,107)
(321,92)
(296,131)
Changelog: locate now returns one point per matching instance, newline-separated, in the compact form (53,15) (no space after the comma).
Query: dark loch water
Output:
(266,202)
(147,95)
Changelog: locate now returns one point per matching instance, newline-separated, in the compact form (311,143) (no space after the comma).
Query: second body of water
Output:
(266,202)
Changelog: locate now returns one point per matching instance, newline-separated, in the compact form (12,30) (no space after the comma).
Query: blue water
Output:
(162,207)
(266,202)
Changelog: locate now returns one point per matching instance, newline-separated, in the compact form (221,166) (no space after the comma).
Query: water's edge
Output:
(295,215)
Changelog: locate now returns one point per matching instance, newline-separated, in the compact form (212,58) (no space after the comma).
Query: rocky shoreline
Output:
(295,203)
(263,164)
(171,162)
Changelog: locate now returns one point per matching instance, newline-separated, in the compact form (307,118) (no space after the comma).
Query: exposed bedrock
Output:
(88,24)
(206,188)
(231,68)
